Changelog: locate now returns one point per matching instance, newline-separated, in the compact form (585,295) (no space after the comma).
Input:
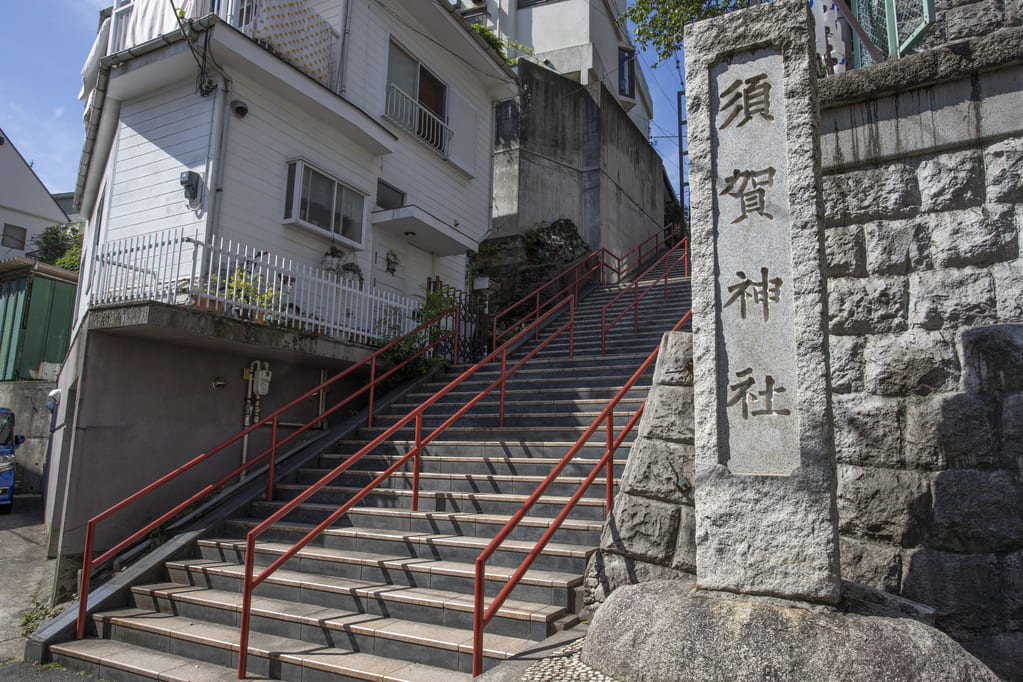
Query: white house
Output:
(582,40)
(26,207)
(230,151)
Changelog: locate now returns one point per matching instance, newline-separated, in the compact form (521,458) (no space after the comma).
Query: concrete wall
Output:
(573,153)
(137,408)
(32,420)
(923,181)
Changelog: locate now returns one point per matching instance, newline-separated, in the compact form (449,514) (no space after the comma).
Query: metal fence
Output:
(237,280)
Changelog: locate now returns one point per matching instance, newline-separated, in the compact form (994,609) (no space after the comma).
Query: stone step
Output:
(483,418)
(107,659)
(529,528)
(447,447)
(519,404)
(588,508)
(322,610)
(570,434)
(468,464)
(268,655)
(538,585)
(563,485)
(555,556)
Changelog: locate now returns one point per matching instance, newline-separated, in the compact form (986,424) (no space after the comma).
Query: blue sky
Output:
(43,44)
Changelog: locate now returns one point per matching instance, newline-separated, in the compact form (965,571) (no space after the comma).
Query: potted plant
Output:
(333,259)
(352,270)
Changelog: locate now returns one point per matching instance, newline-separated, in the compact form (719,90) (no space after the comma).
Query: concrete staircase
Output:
(386,593)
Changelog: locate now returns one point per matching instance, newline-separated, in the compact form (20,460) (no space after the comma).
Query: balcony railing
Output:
(272,25)
(408,113)
(236,280)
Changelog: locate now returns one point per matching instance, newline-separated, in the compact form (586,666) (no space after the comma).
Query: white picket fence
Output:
(238,280)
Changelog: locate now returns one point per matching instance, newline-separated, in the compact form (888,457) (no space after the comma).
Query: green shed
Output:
(37,303)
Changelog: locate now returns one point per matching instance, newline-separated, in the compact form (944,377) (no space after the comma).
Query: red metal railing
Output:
(576,273)
(273,419)
(482,616)
(252,581)
(682,245)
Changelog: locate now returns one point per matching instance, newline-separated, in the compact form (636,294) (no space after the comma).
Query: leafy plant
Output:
(432,304)
(54,242)
(38,614)
(501,46)
(658,24)
(244,286)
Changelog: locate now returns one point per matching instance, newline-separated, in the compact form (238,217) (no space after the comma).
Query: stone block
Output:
(642,528)
(606,572)
(668,414)
(1009,290)
(868,430)
(867,306)
(967,590)
(1012,431)
(977,511)
(884,504)
(685,545)
(895,247)
(917,362)
(950,299)
(845,252)
(973,20)
(846,361)
(1002,652)
(876,564)
(675,360)
(946,431)
(890,191)
(1003,163)
(993,358)
(660,469)
(951,181)
(973,236)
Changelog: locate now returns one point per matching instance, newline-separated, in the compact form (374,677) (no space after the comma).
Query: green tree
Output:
(53,242)
(72,258)
(658,24)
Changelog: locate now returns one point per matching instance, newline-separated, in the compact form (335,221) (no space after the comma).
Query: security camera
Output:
(239,108)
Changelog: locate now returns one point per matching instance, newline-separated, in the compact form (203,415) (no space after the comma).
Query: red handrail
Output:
(482,616)
(88,563)
(637,297)
(253,581)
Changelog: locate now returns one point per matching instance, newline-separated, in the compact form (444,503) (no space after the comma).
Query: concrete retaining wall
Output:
(32,420)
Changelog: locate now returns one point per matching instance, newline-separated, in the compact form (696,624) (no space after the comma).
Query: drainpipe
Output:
(345,33)
(216,182)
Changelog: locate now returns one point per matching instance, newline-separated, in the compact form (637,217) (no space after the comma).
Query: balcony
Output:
(312,49)
(410,114)
(238,281)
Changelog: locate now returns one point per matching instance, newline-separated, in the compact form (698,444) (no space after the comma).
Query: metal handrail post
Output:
(247,588)
(610,462)
(417,461)
(83,590)
(273,458)
(504,383)
(372,390)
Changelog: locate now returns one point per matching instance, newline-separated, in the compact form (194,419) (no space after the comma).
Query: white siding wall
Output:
(258,149)
(158,138)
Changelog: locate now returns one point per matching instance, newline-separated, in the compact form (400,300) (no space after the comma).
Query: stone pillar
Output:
(766,521)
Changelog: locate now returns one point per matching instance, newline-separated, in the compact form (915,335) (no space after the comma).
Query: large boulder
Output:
(666,631)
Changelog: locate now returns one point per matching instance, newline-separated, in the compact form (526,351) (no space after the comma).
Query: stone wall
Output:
(923,177)
(925,299)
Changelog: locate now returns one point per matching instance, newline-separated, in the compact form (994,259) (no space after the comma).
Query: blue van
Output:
(8,443)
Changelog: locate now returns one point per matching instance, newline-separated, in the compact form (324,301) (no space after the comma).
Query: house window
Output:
(626,72)
(316,200)
(14,237)
(389,197)
(416,99)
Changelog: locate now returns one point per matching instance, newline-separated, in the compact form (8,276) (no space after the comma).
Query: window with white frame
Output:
(416,99)
(316,200)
